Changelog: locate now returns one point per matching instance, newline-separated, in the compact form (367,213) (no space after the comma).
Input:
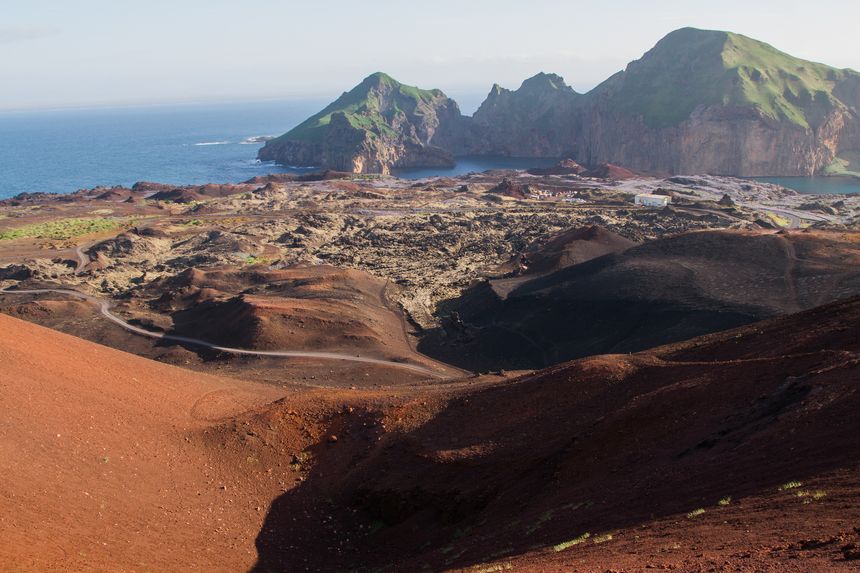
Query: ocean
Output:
(62,151)
(66,150)
(817,185)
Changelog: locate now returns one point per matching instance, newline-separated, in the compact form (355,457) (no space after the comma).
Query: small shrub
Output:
(602,538)
(492,568)
(567,544)
(790,485)
(725,501)
(810,496)
(695,513)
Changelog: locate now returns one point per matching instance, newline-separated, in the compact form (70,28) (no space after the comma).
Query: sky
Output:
(91,53)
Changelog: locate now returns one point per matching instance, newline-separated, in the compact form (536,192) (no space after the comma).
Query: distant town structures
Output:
(647,200)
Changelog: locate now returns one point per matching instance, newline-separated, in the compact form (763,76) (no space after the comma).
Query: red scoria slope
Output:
(106,465)
(733,452)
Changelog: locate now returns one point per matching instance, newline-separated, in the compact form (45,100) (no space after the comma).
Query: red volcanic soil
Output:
(199,192)
(309,308)
(670,459)
(610,171)
(563,167)
(325,175)
(108,462)
(111,462)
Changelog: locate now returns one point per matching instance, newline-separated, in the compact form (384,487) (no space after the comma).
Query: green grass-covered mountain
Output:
(377,125)
(700,101)
(705,101)
(373,105)
(691,68)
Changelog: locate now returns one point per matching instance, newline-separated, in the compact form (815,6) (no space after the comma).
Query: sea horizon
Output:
(64,150)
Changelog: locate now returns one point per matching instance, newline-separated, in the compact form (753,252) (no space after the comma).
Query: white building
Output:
(647,200)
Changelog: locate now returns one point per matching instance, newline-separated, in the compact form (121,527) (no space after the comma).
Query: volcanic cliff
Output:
(700,101)
(721,103)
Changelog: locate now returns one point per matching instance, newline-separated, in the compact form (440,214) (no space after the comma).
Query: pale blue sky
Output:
(105,52)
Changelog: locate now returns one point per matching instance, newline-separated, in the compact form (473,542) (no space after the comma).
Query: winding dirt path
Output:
(83,260)
(105,306)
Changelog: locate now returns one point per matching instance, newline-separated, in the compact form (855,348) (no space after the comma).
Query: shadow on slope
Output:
(597,445)
(656,293)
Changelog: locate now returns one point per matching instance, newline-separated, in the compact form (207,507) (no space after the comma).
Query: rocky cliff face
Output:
(719,103)
(716,140)
(379,125)
(537,120)
(698,102)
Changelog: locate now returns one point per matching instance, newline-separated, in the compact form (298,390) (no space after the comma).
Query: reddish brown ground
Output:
(111,462)
(106,465)
(496,476)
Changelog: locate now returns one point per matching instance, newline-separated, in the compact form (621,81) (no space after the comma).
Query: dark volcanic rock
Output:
(509,189)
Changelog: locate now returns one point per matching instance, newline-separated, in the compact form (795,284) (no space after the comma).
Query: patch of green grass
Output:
(846,165)
(778,220)
(602,538)
(252,260)
(725,501)
(64,228)
(575,541)
(548,514)
(695,513)
(790,485)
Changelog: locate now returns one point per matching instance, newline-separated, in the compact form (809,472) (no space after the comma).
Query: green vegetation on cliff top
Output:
(691,67)
(365,108)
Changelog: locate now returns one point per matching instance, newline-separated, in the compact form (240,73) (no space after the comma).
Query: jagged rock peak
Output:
(544,81)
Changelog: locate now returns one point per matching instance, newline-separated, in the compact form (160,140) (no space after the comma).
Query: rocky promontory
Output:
(378,125)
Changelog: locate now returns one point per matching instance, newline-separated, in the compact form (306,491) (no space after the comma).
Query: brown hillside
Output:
(659,292)
(629,454)
(308,308)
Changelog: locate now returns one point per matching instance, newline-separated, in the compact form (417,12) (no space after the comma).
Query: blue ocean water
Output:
(474,164)
(817,185)
(63,151)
